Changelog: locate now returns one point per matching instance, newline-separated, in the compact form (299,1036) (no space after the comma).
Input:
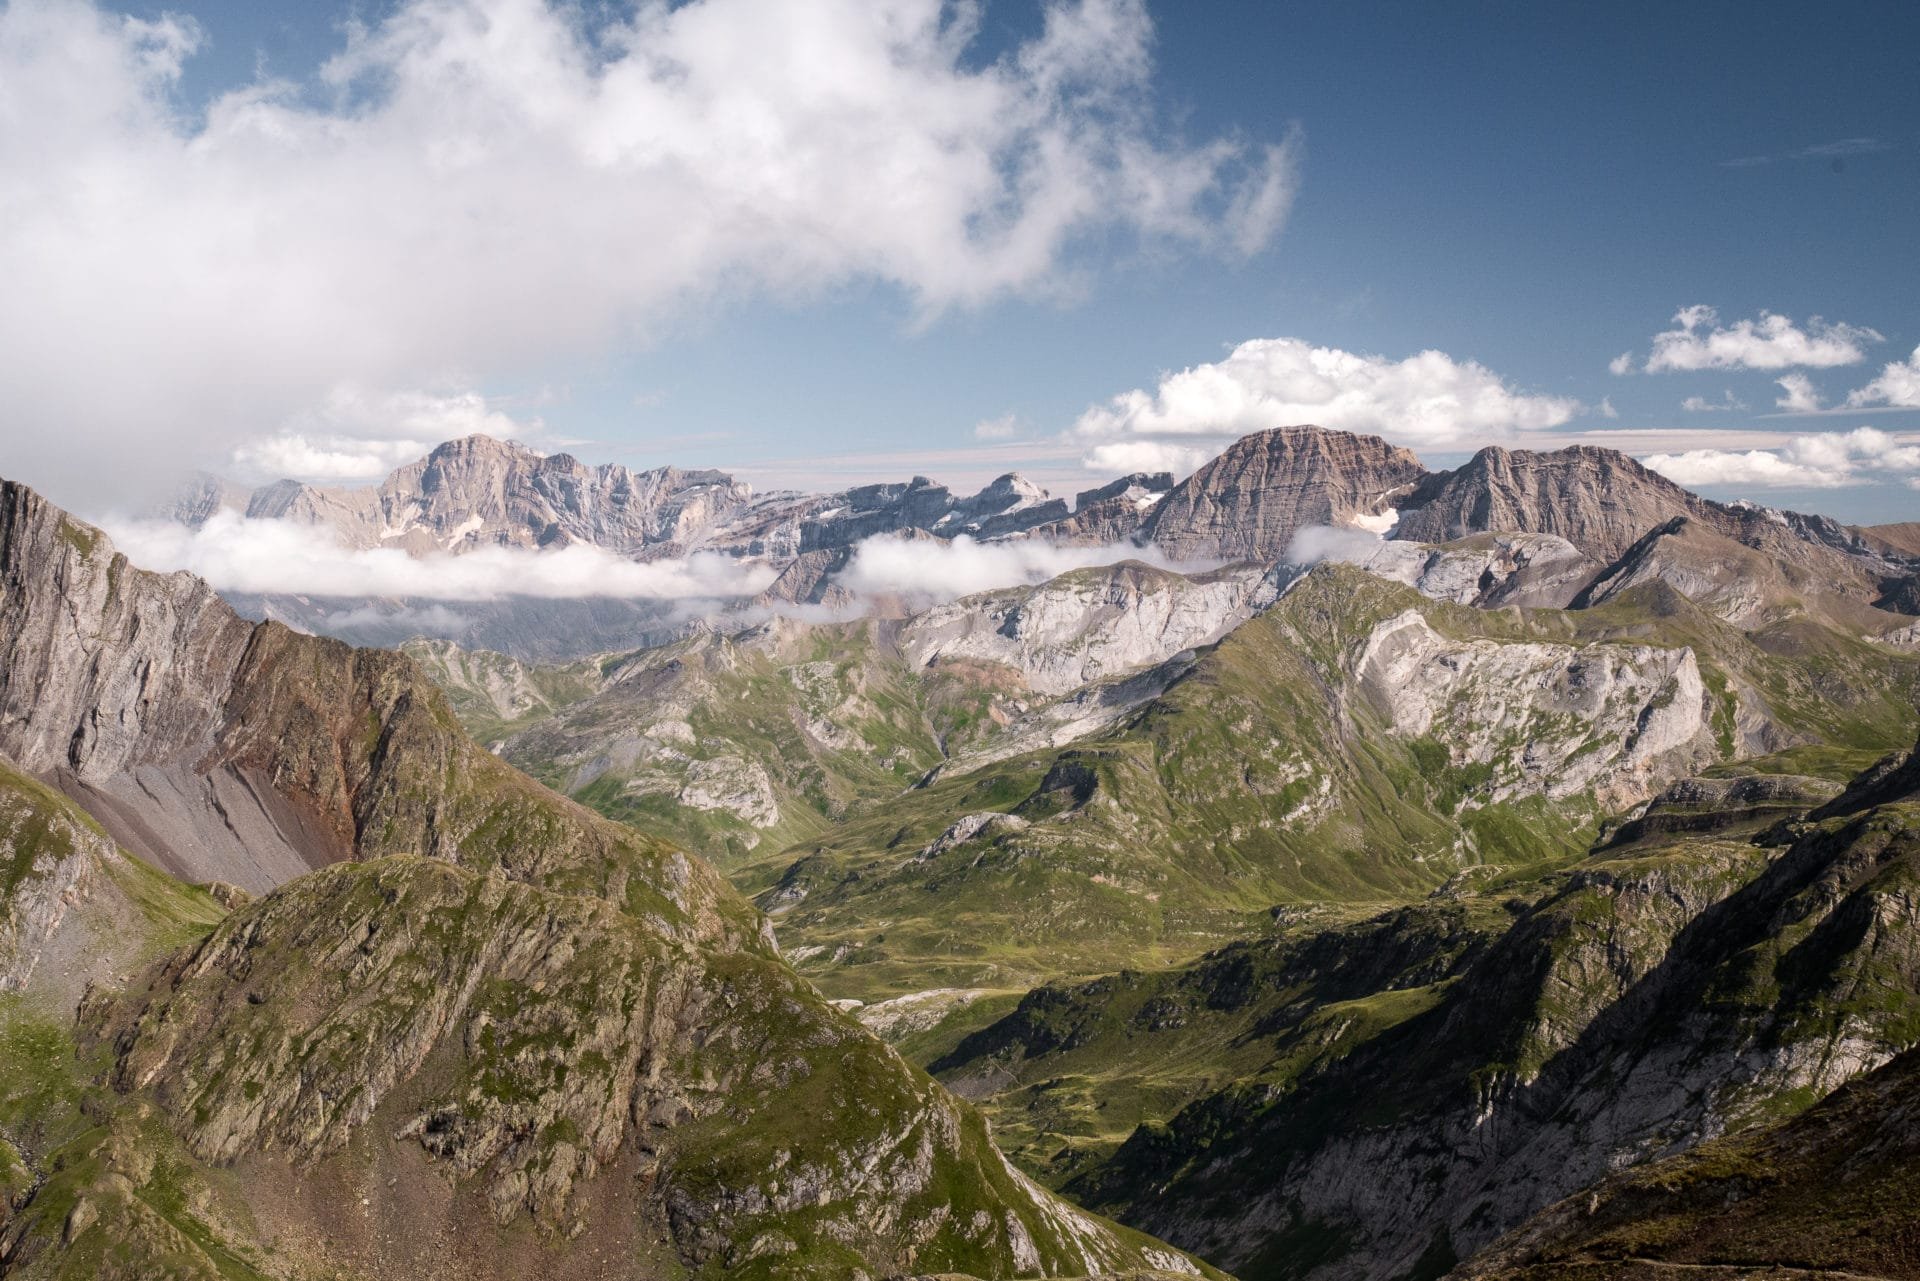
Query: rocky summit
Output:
(1315,867)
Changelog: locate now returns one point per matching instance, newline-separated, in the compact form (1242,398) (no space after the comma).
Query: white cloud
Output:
(1828,460)
(1001,428)
(1426,399)
(927,571)
(1699,341)
(1701,405)
(1799,395)
(474,189)
(1605,408)
(272,556)
(1898,385)
(1622,365)
(360,435)
(1127,456)
(1312,544)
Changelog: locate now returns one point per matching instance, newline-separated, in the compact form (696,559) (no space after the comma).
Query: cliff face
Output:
(1830,1192)
(1248,503)
(1599,500)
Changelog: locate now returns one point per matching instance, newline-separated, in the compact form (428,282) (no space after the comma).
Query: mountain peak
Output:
(1248,503)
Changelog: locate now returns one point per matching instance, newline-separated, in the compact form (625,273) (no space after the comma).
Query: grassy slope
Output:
(1181,828)
(1773,949)
(1836,1189)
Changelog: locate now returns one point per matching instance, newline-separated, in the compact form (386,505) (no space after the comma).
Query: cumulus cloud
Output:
(926,570)
(356,435)
(1622,365)
(471,190)
(1829,460)
(1126,456)
(1798,395)
(1001,428)
(1426,399)
(1897,386)
(1701,405)
(1698,341)
(236,554)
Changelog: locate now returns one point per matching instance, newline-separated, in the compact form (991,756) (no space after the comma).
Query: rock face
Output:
(1599,500)
(1642,711)
(1109,513)
(1608,505)
(50,859)
(1827,1193)
(1487,571)
(1089,624)
(1248,503)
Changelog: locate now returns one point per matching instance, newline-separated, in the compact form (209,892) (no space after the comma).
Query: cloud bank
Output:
(1428,399)
(272,557)
(471,188)
(1698,341)
(357,435)
(927,571)
(1832,460)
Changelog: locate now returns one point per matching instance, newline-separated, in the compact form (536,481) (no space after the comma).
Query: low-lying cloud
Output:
(1829,460)
(1312,544)
(277,557)
(925,571)
(1427,399)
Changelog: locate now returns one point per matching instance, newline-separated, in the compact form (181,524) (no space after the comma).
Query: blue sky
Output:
(1533,189)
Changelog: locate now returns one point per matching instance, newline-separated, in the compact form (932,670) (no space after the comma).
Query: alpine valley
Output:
(1315,867)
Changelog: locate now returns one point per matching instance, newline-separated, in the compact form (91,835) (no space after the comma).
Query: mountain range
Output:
(1342,870)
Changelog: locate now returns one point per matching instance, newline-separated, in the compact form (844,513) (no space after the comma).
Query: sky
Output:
(824,242)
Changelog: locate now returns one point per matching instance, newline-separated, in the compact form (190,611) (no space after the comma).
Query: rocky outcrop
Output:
(50,860)
(1695,805)
(1487,571)
(1248,503)
(1110,513)
(1823,1194)
(1088,625)
(1612,721)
